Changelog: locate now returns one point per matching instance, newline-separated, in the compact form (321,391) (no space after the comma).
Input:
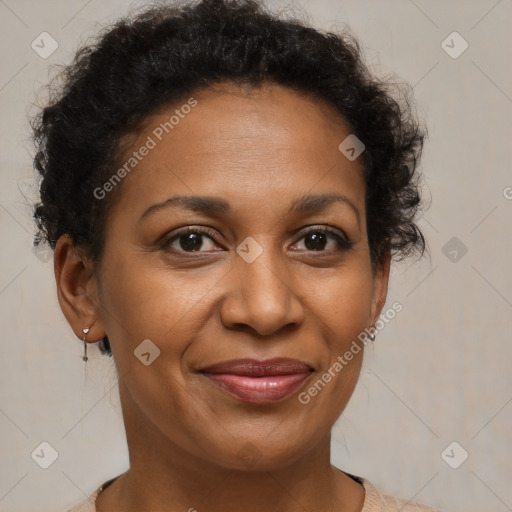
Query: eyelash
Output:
(345,243)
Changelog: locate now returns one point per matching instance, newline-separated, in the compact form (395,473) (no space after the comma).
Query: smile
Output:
(259,381)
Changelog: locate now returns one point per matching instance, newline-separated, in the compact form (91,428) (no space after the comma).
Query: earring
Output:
(372,335)
(85,331)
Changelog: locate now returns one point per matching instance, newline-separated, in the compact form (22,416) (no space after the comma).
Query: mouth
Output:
(259,382)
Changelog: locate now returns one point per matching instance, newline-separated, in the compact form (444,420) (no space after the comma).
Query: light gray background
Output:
(439,372)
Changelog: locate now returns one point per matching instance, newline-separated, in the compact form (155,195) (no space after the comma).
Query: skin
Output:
(259,150)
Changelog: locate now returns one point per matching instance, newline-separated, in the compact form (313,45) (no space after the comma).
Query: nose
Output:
(262,296)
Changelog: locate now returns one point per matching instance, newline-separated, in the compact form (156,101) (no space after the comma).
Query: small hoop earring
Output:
(85,331)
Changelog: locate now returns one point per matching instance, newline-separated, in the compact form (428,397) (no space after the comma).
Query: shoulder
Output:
(87,505)
(377,501)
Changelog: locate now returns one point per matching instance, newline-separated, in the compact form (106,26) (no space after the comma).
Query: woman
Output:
(224,191)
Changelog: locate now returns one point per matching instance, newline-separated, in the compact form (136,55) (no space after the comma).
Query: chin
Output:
(260,455)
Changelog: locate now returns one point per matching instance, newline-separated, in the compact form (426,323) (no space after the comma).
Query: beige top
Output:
(374,501)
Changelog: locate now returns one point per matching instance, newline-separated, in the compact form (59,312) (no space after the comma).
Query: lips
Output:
(259,381)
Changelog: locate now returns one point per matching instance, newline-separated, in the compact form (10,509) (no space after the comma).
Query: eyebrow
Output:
(216,205)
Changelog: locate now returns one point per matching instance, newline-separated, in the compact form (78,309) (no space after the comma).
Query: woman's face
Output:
(256,279)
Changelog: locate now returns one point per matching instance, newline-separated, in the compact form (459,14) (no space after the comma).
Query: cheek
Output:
(142,301)
(345,305)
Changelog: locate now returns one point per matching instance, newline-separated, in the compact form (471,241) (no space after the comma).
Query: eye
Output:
(190,240)
(317,239)
(193,239)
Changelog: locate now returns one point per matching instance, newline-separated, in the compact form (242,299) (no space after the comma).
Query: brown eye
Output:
(194,239)
(189,240)
(317,239)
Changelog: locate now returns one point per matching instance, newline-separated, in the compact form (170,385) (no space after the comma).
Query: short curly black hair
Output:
(163,53)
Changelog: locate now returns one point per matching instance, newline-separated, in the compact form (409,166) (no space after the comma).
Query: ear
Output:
(380,287)
(77,290)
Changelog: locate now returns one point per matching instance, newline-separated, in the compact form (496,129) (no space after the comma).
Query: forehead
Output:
(251,145)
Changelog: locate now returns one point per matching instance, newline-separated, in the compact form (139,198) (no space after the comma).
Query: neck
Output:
(163,476)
